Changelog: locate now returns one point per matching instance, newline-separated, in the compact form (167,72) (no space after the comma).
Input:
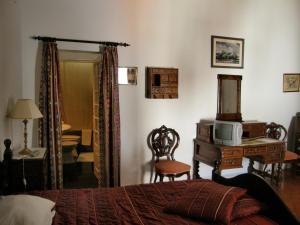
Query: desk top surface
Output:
(248,142)
(259,141)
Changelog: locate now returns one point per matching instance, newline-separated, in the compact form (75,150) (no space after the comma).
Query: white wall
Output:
(10,70)
(175,33)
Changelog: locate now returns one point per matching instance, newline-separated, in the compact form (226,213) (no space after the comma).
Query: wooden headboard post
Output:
(6,170)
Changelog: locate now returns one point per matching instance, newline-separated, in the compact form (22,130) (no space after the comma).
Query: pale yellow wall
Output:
(77,93)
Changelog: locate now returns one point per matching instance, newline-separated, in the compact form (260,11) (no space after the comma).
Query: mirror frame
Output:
(237,115)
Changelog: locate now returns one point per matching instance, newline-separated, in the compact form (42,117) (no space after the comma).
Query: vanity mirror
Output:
(127,75)
(229,97)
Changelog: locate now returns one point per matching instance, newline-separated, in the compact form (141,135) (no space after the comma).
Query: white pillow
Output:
(26,210)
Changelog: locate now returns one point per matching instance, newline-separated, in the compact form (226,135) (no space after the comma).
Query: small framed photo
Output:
(227,52)
(291,82)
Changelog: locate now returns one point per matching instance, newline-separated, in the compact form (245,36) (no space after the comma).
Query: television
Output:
(227,133)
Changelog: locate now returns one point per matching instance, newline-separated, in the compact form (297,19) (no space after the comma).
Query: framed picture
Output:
(227,52)
(291,82)
(127,75)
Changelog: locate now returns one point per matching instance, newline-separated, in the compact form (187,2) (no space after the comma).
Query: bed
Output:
(243,200)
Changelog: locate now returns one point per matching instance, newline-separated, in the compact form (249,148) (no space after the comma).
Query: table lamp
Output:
(25,109)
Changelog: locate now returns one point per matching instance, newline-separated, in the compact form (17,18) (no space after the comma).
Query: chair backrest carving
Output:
(276,131)
(163,141)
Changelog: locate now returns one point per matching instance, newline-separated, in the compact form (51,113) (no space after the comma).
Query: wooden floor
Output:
(79,175)
(289,190)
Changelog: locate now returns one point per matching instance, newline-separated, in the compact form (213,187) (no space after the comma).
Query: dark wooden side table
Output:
(33,168)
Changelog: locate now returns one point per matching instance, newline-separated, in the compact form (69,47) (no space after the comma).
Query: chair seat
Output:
(290,156)
(171,167)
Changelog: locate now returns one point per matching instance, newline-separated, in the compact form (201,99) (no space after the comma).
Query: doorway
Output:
(78,71)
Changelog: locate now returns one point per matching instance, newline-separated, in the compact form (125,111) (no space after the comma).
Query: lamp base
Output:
(25,151)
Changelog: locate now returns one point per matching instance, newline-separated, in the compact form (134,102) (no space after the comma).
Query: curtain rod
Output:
(108,43)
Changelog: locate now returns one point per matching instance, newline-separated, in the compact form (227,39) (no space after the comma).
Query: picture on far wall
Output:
(227,52)
(127,75)
(291,82)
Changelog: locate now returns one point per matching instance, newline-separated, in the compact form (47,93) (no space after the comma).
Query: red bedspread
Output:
(138,204)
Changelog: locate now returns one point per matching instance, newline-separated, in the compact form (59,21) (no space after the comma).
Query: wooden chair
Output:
(163,142)
(277,131)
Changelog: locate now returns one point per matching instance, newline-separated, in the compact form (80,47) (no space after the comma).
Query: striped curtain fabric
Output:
(109,118)
(50,105)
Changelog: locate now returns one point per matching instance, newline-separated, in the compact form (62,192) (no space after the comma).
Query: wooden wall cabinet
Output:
(161,83)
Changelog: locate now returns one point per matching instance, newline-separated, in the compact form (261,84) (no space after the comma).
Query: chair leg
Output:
(279,172)
(155,178)
(161,177)
(152,169)
(273,171)
(188,176)
(264,170)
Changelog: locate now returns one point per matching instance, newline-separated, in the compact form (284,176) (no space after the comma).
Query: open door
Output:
(89,109)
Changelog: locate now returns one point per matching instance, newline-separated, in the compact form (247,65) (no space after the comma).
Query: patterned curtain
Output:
(50,107)
(109,118)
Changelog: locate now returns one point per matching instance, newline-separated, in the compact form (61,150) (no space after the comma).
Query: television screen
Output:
(223,131)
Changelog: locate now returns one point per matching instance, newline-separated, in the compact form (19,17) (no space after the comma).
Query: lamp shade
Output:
(25,109)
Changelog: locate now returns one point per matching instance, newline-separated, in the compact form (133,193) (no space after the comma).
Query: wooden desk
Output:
(221,157)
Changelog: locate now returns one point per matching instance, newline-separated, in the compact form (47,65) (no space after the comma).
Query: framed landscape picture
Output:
(227,52)
(291,82)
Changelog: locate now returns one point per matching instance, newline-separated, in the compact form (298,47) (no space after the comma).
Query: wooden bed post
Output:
(6,171)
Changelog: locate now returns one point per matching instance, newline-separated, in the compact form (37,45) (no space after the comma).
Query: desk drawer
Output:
(273,157)
(232,152)
(231,163)
(255,150)
(275,148)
